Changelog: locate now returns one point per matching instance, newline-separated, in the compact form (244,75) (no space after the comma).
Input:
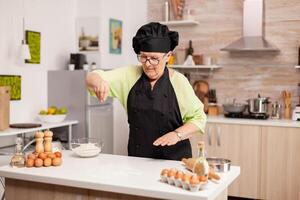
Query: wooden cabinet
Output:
(241,144)
(269,158)
(280,163)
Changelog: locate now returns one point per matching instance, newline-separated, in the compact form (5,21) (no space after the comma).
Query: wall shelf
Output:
(180,23)
(195,66)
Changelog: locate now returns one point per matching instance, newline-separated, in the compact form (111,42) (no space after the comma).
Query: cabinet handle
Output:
(209,136)
(219,136)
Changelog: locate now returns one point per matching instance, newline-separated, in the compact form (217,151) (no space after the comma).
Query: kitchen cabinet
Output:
(242,145)
(280,163)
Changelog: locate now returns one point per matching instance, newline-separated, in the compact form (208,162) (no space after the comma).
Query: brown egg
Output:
(179,175)
(29,162)
(31,156)
(51,155)
(56,161)
(172,172)
(194,180)
(36,154)
(38,162)
(47,162)
(42,156)
(202,178)
(57,154)
(186,178)
(164,172)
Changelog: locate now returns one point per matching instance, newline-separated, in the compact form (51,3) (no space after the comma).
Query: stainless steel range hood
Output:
(253,34)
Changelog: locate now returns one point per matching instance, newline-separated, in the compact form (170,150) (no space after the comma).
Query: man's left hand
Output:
(168,139)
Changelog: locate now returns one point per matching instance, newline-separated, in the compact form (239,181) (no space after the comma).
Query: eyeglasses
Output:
(152,60)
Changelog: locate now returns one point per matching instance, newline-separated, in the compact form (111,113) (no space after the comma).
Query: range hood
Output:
(253,33)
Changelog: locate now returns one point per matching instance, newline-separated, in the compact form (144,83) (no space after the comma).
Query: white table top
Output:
(122,174)
(16,131)
(267,122)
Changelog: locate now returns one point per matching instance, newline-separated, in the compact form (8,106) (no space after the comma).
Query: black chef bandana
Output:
(154,37)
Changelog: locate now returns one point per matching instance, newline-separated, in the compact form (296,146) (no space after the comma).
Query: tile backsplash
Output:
(246,74)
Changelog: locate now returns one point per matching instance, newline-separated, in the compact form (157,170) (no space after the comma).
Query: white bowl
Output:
(52,118)
(86,147)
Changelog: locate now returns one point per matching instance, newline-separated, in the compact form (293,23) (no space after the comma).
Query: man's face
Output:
(153,63)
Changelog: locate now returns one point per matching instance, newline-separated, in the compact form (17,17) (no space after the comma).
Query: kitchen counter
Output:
(116,174)
(267,122)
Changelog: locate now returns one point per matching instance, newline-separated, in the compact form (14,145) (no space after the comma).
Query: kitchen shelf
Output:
(195,66)
(180,23)
(297,66)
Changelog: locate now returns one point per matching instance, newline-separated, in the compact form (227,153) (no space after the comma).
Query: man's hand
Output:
(168,139)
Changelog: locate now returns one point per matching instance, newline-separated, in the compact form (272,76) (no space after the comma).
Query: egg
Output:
(172,172)
(31,156)
(29,162)
(164,172)
(42,156)
(47,162)
(202,178)
(56,161)
(179,175)
(38,162)
(186,178)
(36,154)
(51,155)
(57,154)
(194,180)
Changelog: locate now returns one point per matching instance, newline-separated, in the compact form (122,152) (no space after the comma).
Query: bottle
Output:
(189,58)
(201,167)
(190,50)
(18,159)
(86,66)
(93,66)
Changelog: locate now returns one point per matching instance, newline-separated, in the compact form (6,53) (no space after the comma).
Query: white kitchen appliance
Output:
(296,113)
(68,89)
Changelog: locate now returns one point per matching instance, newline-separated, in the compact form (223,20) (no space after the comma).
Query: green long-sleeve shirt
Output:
(121,81)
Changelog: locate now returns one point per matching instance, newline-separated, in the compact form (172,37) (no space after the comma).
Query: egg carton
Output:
(182,184)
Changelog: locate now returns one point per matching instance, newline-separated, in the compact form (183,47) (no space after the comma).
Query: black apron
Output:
(151,114)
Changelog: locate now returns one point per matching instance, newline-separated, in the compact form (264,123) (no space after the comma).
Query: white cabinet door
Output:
(100,125)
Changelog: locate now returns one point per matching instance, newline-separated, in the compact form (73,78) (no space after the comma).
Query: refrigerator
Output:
(68,89)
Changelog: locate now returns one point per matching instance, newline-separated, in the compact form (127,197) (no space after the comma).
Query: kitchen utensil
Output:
(86,147)
(213,109)
(212,96)
(25,125)
(4,107)
(234,107)
(258,105)
(296,114)
(219,164)
(201,89)
(287,101)
(276,110)
(198,59)
(52,118)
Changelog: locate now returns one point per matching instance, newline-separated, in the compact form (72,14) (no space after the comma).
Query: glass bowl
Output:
(86,147)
